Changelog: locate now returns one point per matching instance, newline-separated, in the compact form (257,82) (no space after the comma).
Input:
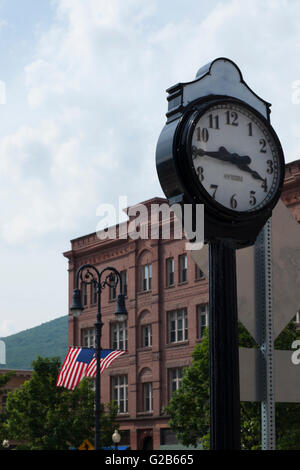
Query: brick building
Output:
(291,190)
(16,381)
(167,303)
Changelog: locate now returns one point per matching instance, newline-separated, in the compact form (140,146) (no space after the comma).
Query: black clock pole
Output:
(224,352)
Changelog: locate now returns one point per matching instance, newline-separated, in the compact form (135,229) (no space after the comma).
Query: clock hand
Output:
(223,155)
(254,173)
(196,152)
(241,161)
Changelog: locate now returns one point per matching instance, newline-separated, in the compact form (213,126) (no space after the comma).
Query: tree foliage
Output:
(42,416)
(4,379)
(188,408)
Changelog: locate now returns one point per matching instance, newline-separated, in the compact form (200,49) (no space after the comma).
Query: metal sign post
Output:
(264,315)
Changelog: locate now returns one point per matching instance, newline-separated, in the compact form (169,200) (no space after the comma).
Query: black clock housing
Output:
(180,182)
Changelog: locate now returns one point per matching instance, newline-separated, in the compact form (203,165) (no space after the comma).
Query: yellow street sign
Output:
(86,445)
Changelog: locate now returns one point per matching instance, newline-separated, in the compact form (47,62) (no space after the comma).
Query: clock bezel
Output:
(194,187)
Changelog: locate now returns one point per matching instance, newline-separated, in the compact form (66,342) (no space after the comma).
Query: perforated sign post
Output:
(218,148)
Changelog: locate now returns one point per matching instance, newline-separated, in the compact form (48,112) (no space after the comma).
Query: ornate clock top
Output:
(221,77)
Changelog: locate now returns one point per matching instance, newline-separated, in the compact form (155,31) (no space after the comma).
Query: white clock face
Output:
(235,157)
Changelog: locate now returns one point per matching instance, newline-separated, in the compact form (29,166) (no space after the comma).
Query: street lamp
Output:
(89,274)
(116,437)
(5,443)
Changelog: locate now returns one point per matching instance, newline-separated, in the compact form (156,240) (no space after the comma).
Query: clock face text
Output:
(235,157)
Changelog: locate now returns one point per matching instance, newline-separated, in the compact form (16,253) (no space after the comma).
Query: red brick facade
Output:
(291,193)
(175,313)
(16,381)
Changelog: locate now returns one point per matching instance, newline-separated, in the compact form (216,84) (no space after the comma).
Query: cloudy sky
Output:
(83,107)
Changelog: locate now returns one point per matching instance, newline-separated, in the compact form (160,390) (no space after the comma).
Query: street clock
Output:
(220,150)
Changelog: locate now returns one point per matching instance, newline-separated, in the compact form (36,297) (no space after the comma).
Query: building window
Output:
(84,293)
(113,289)
(119,339)
(175,377)
(146,277)
(178,325)
(199,274)
(202,319)
(88,339)
(148,396)
(120,392)
(125,437)
(112,293)
(168,437)
(147,336)
(93,293)
(124,281)
(182,268)
(170,272)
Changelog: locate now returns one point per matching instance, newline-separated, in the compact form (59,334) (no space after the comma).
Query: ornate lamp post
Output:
(90,275)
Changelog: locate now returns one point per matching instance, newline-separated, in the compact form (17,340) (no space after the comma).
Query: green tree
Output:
(4,379)
(287,414)
(188,408)
(42,416)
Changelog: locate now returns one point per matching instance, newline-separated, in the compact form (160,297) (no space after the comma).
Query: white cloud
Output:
(5,327)
(43,80)
(96,86)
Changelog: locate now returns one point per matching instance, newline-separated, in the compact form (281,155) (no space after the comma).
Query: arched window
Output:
(145,271)
(144,329)
(145,389)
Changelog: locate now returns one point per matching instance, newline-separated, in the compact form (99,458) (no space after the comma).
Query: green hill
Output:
(47,340)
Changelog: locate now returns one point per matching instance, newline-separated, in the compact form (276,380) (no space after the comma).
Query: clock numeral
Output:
(232,118)
(233,202)
(202,134)
(200,172)
(270,169)
(250,129)
(263,146)
(264,185)
(214,187)
(252,201)
(213,121)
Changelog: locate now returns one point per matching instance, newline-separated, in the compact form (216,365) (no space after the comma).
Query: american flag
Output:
(106,358)
(81,362)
